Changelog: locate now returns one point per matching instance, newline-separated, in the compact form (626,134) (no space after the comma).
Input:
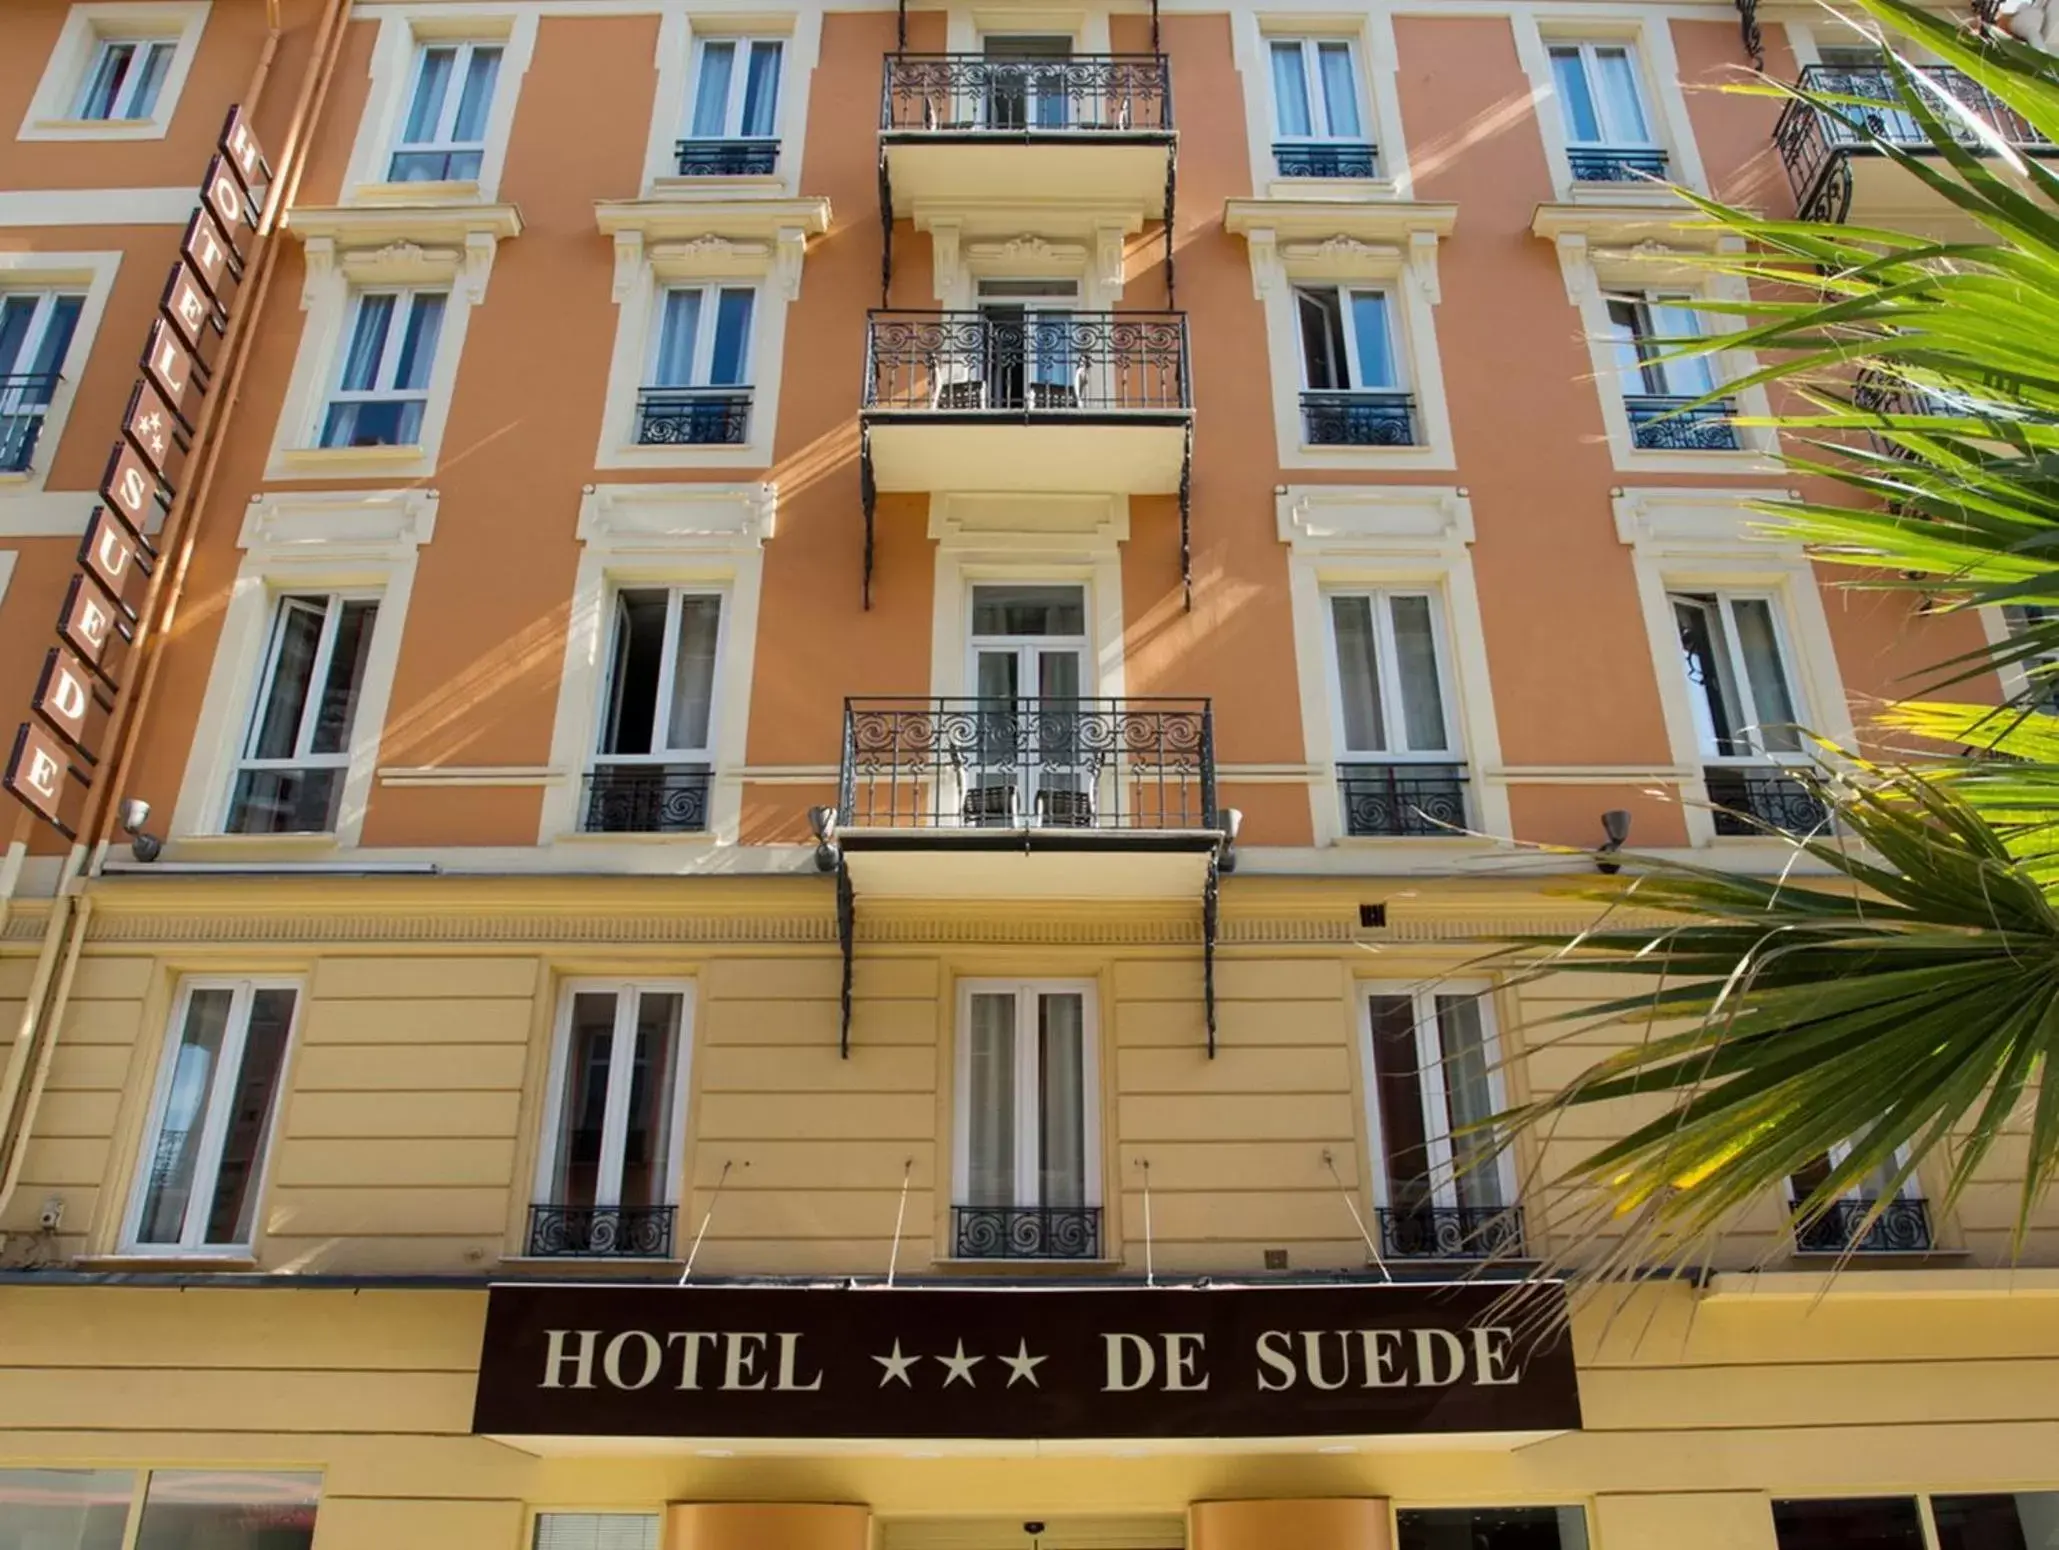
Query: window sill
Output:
(144,1261)
(96,129)
(1368,190)
(1878,1258)
(344,462)
(687,838)
(689,454)
(1745,460)
(1593,191)
(452,192)
(673,186)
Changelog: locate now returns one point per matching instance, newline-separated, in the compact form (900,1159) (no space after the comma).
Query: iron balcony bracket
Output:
(886,229)
(1154,24)
(1211,889)
(1172,165)
(1748,24)
(901,27)
(846,936)
(1186,520)
(868,497)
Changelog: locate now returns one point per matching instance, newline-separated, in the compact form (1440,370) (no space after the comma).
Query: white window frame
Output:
(125,96)
(302,758)
(59,94)
(446,121)
(628,993)
(733,107)
(405,299)
(1430,1073)
(1726,599)
(228,1067)
(1026,1091)
(1679,300)
(704,340)
(1586,47)
(46,297)
(679,36)
(1318,100)
(1081,645)
(1347,298)
(25,509)
(396,56)
(1660,94)
(668,666)
(1391,703)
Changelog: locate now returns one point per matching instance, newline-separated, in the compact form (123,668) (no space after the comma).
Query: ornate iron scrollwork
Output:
(600,1232)
(1451,1232)
(1661,422)
(1030,365)
(646,799)
(1354,419)
(1026,1232)
(1902,1227)
(667,417)
(974,94)
(1748,801)
(1402,800)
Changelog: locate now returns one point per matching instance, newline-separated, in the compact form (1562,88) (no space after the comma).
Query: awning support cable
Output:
(900,1211)
(1372,1249)
(707,1216)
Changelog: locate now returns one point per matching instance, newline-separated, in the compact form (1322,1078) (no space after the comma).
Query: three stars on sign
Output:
(958,1367)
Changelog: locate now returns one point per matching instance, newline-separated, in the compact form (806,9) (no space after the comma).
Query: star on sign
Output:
(152,427)
(960,1366)
(897,1367)
(1023,1365)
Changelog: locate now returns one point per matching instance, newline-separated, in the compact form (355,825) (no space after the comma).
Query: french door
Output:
(1030,359)
(1028,650)
(1026,81)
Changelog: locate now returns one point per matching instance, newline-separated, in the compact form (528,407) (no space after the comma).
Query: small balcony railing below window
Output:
(726,158)
(1331,418)
(1665,422)
(646,799)
(600,1232)
(1902,1227)
(693,417)
(1402,800)
(1078,95)
(1451,1232)
(1326,159)
(1616,163)
(1026,1232)
(24,401)
(1750,801)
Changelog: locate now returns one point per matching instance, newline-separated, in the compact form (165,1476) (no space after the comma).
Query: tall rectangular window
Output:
(1739,687)
(698,389)
(382,389)
(656,747)
(123,81)
(1028,1179)
(211,1122)
(1601,99)
(1660,386)
(443,135)
(1319,118)
(736,88)
(1399,768)
(1355,390)
(36,329)
(297,750)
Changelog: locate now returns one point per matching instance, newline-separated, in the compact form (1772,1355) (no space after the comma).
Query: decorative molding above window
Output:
(1074,526)
(699,518)
(402,244)
(385,523)
(1330,519)
(725,238)
(1703,523)
(1320,239)
(968,245)
(1647,244)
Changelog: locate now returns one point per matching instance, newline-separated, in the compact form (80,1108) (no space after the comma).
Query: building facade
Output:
(826,675)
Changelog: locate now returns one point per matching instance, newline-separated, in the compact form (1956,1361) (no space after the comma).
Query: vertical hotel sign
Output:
(58,747)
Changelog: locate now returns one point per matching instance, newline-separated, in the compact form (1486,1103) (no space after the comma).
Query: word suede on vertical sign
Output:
(102,606)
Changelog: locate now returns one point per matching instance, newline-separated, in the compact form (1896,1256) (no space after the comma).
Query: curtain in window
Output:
(990,1101)
(1290,91)
(480,75)
(1340,90)
(1623,105)
(1759,645)
(711,99)
(583,1113)
(676,339)
(1358,674)
(16,313)
(1711,698)
(1469,1100)
(1415,655)
(418,345)
(1576,102)
(138,68)
(761,91)
(47,358)
(1324,360)
(732,344)
(693,672)
(168,1184)
(647,1127)
(157,59)
(367,343)
(431,85)
(1372,333)
(1062,1145)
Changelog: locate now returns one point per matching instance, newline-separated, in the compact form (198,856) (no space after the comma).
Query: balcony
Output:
(1025,1232)
(726,158)
(1616,163)
(1403,801)
(1750,801)
(1353,419)
(693,417)
(1903,1227)
(1662,422)
(24,401)
(1092,129)
(1326,159)
(600,1232)
(1451,1232)
(1836,170)
(645,799)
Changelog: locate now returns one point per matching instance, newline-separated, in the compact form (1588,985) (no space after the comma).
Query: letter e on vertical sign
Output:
(36,772)
(65,697)
(188,305)
(89,622)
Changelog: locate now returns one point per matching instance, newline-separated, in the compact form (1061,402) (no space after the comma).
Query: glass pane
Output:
(1491,1528)
(1855,1523)
(175,1151)
(1398,1085)
(109,66)
(2028,1520)
(998,675)
(367,343)
(639,659)
(1358,674)
(470,128)
(589,1043)
(693,672)
(338,709)
(676,339)
(1340,90)
(732,338)
(1415,660)
(1290,91)
(653,1086)
(1370,332)
(1058,676)
(157,59)
(426,111)
(64,1509)
(1710,696)
(1469,1101)
(228,1510)
(1757,642)
(418,344)
(1689,377)
(596,1531)
(232,1215)
(711,100)
(1576,102)
(302,801)
(1062,1142)
(1622,107)
(990,1101)
(1029,611)
(16,312)
(1322,339)
(1630,329)
(761,90)
(47,359)
(296,635)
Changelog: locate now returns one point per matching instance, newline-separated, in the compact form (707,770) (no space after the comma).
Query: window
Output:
(1491,1528)
(124,80)
(1433,1074)
(1901,1227)
(1354,393)
(1659,394)
(734,123)
(1028,1143)
(699,390)
(1026,81)
(36,330)
(1318,111)
(1398,772)
(655,753)
(1601,103)
(2040,667)
(589,1531)
(608,1174)
(2020,1520)
(1029,661)
(383,387)
(211,1122)
(295,756)
(213,1509)
(1738,685)
(443,137)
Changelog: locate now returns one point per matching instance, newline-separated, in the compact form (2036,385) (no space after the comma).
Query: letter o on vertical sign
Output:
(223,191)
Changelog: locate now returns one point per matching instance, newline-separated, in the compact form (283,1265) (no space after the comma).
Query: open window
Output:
(1319,110)
(654,759)
(1354,390)
(1659,394)
(296,752)
(1399,771)
(125,79)
(442,137)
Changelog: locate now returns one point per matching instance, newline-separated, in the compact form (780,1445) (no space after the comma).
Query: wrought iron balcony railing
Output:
(1358,419)
(1815,143)
(646,799)
(1616,163)
(682,417)
(1081,95)
(1664,422)
(1451,1232)
(1092,764)
(1026,1232)
(601,1232)
(1326,159)
(1903,1227)
(1036,365)
(24,401)
(1400,800)
(1750,801)
(726,158)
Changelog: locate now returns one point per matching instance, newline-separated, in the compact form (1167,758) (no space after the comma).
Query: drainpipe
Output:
(36,1039)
